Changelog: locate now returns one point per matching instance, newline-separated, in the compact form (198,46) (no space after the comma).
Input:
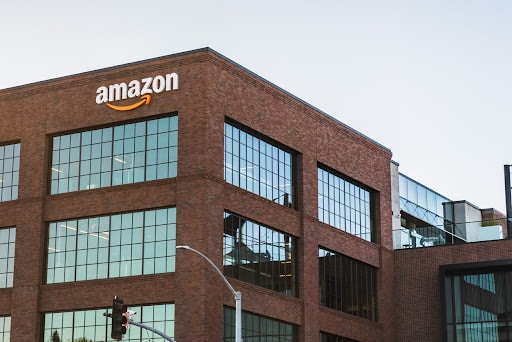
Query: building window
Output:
(477,302)
(112,246)
(257,166)
(256,328)
(9,171)
(344,205)
(259,255)
(91,325)
(7,238)
(324,337)
(348,285)
(5,328)
(123,154)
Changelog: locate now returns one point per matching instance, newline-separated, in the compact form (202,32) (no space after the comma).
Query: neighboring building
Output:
(104,173)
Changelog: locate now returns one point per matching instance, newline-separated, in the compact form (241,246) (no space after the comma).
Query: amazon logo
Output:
(140,90)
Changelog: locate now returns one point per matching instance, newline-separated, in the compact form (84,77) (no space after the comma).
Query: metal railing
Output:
(449,234)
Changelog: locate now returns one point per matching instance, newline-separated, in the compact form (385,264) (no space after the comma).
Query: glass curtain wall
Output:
(478,306)
(121,245)
(7,243)
(9,171)
(256,328)
(347,285)
(324,337)
(259,255)
(123,154)
(91,325)
(5,328)
(257,166)
(344,205)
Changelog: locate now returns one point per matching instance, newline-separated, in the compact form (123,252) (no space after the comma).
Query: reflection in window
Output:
(5,329)
(112,246)
(116,155)
(91,325)
(344,205)
(9,171)
(256,328)
(478,305)
(7,238)
(257,166)
(421,202)
(259,255)
(348,285)
(324,337)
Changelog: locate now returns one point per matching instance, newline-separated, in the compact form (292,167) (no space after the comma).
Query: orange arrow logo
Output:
(145,100)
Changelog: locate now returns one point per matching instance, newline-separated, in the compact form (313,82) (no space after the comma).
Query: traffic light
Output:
(119,318)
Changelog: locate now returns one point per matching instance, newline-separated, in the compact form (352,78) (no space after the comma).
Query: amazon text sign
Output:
(135,88)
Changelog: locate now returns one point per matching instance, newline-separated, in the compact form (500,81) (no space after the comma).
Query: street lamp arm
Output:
(235,293)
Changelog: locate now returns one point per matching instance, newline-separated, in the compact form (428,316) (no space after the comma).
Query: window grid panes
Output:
(112,246)
(123,154)
(5,329)
(344,205)
(477,306)
(259,255)
(324,337)
(257,166)
(348,285)
(9,171)
(256,328)
(7,243)
(91,325)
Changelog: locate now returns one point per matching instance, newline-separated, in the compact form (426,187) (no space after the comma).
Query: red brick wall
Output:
(210,90)
(417,284)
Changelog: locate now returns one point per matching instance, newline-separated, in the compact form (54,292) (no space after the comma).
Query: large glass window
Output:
(478,304)
(324,337)
(5,329)
(112,246)
(7,239)
(9,171)
(259,255)
(257,166)
(256,328)
(348,285)
(123,154)
(344,205)
(91,325)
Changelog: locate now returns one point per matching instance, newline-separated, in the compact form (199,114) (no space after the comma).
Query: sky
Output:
(430,80)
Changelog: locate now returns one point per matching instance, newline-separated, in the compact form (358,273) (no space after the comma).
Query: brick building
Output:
(106,172)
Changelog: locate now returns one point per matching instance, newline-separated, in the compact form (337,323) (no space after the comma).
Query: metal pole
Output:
(508,200)
(144,326)
(237,294)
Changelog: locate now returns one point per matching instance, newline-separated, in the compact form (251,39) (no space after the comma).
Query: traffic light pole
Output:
(147,327)
(237,294)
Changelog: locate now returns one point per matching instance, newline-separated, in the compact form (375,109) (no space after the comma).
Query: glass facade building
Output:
(91,325)
(257,166)
(257,328)
(344,205)
(477,302)
(121,245)
(9,171)
(7,248)
(259,255)
(5,329)
(347,285)
(117,155)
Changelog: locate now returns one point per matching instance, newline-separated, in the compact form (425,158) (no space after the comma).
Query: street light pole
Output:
(237,294)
